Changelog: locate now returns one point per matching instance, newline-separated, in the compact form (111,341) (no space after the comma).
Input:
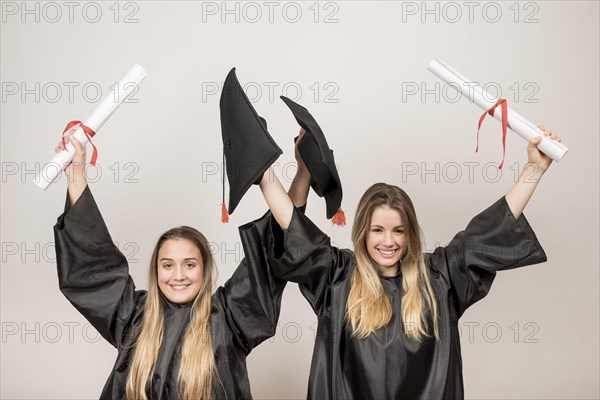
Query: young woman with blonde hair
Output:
(177,339)
(388,313)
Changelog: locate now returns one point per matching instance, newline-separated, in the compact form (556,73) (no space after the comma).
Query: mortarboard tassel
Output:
(224,214)
(339,218)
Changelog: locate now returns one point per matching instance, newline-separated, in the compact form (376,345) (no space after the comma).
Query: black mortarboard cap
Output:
(248,149)
(318,157)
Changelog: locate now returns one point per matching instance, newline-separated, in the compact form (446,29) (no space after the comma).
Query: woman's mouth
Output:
(387,253)
(179,288)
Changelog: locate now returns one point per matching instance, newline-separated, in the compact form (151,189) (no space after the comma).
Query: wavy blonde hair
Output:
(197,364)
(369,307)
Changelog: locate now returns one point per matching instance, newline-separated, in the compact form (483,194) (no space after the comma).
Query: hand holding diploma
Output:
(537,164)
(75,170)
(535,157)
(84,131)
(513,120)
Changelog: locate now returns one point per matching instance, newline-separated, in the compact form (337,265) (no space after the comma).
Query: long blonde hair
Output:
(369,307)
(197,365)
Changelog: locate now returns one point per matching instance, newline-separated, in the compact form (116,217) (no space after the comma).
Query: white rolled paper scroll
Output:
(109,104)
(479,96)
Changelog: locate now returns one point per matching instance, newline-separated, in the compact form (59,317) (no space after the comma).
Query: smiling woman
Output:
(388,312)
(180,264)
(181,338)
(184,271)
(385,240)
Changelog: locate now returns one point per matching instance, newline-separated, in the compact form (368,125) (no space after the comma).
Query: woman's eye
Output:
(166,265)
(190,265)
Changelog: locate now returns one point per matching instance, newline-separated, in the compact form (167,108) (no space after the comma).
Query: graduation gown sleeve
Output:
(304,254)
(252,296)
(493,241)
(92,273)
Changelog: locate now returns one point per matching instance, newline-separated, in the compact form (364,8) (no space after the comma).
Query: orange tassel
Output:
(224,214)
(339,218)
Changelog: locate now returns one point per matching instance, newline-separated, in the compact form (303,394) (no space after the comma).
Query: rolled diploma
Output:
(516,122)
(95,121)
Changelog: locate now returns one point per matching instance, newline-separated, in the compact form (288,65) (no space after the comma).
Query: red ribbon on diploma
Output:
(504,108)
(89,133)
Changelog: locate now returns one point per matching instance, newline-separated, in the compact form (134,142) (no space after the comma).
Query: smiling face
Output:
(385,239)
(179,270)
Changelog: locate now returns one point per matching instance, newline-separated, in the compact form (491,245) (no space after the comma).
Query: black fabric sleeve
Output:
(252,296)
(92,273)
(493,241)
(303,254)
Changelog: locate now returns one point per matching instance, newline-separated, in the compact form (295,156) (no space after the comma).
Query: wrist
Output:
(302,177)
(75,190)
(77,180)
(532,172)
(301,171)
(300,163)
(533,166)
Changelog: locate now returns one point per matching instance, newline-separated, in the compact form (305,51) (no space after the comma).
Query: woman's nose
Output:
(388,239)
(179,273)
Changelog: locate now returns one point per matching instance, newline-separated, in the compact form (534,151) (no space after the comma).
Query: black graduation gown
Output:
(94,276)
(387,364)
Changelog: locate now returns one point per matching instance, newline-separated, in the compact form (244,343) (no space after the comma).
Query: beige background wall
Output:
(360,68)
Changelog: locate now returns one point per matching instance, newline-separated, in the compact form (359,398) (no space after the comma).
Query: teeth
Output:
(179,287)
(387,252)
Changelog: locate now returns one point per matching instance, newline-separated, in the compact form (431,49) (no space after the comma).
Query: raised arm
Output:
(252,296)
(281,203)
(277,199)
(75,171)
(494,240)
(300,186)
(92,273)
(537,164)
